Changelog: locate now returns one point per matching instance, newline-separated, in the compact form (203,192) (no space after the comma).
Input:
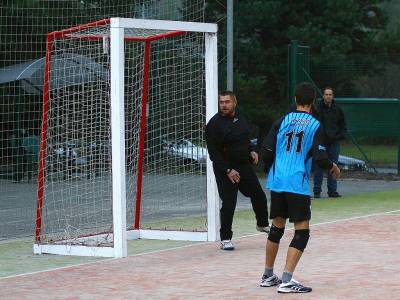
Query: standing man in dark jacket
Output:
(228,142)
(333,121)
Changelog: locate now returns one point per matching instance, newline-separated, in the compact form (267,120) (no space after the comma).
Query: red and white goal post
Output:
(122,152)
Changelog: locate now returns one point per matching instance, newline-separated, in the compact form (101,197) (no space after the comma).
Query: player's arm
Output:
(253,149)
(253,153)
(214,150)
(269,146)
(320,154)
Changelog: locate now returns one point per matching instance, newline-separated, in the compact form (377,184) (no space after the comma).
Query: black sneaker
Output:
(334,195)
(293,287)
(317,195)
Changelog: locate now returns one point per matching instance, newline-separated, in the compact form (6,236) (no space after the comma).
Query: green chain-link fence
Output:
(366,89)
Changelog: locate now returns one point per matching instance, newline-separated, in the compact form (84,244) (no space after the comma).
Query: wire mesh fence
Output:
(23,29)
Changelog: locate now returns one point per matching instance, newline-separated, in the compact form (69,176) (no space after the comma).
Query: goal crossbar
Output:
(171,27)
(164,25)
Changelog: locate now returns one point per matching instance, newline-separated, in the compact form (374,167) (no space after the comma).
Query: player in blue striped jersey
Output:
(294,141)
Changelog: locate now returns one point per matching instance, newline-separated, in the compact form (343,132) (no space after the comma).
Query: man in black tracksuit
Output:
(228,142)
(332,118)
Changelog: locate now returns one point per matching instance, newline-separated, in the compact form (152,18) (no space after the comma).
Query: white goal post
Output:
(122,150)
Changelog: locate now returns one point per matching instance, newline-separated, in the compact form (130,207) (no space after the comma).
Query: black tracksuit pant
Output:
(249,186)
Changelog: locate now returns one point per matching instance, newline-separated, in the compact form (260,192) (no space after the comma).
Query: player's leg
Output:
(318,178)
(274,237)
(333,153)
(278,215)
(299,213)
(249,186)
(297,245)
(228,193)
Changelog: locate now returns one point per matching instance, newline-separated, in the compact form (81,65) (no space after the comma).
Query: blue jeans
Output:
(333,154)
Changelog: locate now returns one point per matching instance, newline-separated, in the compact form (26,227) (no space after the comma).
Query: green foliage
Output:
(334,29)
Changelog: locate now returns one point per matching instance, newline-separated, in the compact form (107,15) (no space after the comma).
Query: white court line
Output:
(192,245)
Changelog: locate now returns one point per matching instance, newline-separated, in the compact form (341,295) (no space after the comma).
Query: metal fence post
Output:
(293,50)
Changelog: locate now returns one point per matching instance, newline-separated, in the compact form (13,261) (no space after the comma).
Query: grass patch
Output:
(379,154)
(328,209)
(17,258)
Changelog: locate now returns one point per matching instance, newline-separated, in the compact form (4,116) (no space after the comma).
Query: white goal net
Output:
(122,152)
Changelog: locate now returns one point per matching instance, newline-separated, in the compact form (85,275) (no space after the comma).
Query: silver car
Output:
(186,150)
(351,163)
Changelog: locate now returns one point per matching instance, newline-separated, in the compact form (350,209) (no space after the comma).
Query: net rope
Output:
(24,25)
(77,199)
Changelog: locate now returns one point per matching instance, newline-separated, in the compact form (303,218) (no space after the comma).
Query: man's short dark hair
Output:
(305,94)
(227,93)
(328,88)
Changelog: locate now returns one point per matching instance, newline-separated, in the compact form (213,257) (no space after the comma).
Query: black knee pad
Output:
(300,239)
(275,234)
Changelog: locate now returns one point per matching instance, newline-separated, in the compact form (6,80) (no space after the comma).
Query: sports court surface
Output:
(352,254)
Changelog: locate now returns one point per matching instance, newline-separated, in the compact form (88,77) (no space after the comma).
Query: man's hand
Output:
(233,176)
(335,171)
(254,157)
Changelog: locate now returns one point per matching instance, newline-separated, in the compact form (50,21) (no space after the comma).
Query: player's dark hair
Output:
(227,93)
(305,94)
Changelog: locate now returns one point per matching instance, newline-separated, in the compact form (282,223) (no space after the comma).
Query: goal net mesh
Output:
(77,183)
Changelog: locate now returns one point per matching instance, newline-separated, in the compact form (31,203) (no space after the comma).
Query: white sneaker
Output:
(227,245)
(263,229)
(293,286)
(270,281)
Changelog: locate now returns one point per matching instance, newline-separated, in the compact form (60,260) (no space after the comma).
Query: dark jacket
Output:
(333,121)
(228,141)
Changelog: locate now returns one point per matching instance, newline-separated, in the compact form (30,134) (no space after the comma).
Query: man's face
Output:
(227,105)
(328,96)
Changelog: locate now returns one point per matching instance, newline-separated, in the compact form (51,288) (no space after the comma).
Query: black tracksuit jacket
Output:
(333,121)
(228,141)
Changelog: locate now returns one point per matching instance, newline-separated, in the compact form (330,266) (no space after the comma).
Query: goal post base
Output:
(74,250)
(149,234)
(176,235)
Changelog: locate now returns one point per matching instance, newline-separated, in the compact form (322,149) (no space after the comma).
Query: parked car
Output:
(187,151)
(70,151)
(73,157)
(351,163)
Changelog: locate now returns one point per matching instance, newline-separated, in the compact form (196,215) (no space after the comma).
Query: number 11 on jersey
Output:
(289,139)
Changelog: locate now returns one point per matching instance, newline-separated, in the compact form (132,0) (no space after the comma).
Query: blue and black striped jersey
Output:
(294,139)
